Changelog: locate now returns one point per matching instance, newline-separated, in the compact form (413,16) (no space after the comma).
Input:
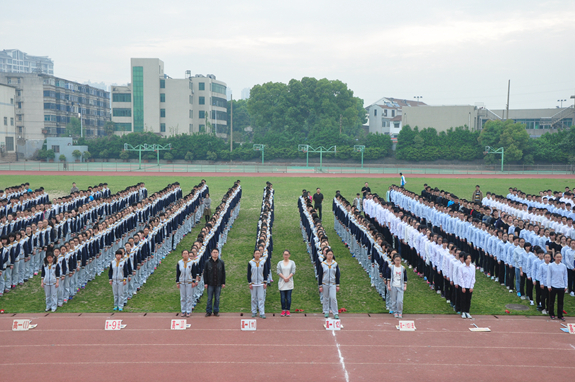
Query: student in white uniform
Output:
(258,272)
(286,271)
(117,274)
(50,281)
(186,282)
(397,285)
(467,282)
(328,278)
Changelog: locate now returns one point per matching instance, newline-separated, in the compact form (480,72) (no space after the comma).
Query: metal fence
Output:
(286,168)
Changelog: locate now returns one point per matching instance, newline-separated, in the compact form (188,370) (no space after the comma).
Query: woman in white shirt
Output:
(286,270)
(466,282)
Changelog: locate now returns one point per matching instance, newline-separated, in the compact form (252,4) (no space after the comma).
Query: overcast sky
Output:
(449,52)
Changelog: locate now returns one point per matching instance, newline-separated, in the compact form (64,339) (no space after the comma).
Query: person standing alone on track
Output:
(317,200)
(214,279)
(258,273)
(286,270)
(207,207)
(328,277)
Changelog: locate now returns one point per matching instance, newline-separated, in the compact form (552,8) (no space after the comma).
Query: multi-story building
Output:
(155,102)
(385,115)
(44,105)
(16,61)
(7,124)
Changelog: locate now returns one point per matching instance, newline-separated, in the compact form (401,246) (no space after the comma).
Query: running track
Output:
(67,347)
(287,175)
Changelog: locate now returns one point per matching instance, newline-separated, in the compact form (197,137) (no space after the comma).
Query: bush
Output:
(124,155)
(104,154)
(50,154)
(42,154)
(168,156)
(210,155)
(150,156)
(224,155)
(76,154)
(62,158)
(87,155)
(189,156)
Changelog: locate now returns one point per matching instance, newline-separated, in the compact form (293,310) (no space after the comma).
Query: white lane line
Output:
(572,346)
(340,357)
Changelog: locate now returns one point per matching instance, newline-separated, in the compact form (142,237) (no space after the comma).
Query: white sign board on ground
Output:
(114,325)
(406,326)
(571,328)
(332,324)
(22,325)
(248,324)
(180,324)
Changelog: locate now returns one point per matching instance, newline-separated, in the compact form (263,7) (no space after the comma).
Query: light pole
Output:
(561,101)
(489,150)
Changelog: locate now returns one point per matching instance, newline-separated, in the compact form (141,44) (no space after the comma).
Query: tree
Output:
(513,137)
(124,155)
(76,154)
(62,158)
(50,154)
(109,128)
(73,128)
(87,155)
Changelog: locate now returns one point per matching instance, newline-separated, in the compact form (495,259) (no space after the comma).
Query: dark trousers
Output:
(522,284)
(570,280)
(560,293)
(465,300)
(213,294)
(285,296)
(318,209)
(502,273)
(458,299)
(544,298)
(538,294)
(529,289)
(510,277)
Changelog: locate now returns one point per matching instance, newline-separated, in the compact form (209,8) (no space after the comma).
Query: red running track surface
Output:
(68,347)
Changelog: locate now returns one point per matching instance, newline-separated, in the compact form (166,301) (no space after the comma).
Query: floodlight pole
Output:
(258,147)
(501,150)
(361,149)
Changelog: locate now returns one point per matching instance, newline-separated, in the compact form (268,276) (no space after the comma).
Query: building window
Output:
(191,114)
(375,112)
(11,101)
(385,112)
(162,127)
(393,113)
(202,86)
(202,114)
(9,143)
(191,100)
(397,125)
(162,97)
(122,126)
(202,100)
(5,121)
(217,88)
(162,84)
(219,102)
(202,128)
(191,128)
(162,113)
(11,121)
(138,93)
(119,112)
(56,149)
(121,97)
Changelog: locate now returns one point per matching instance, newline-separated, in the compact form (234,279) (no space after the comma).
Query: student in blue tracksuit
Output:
(328,279)
(50,281)
(117,274)
(258,273)
(397,285)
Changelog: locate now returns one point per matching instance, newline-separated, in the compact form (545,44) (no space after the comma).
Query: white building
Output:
(385,115)
(16,61)
(155,102)
(245,93)
(7,123)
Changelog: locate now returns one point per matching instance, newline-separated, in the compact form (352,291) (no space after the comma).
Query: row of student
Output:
(322,257)
(46,211)
(508,261)
(519,215)
(14,191)
(23,251)
(84,256)
(201,267)
(566,196)
(23,202)
(259,269)
(144,251)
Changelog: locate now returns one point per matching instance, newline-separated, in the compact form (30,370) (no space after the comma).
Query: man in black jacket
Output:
(317,200)
(214,281)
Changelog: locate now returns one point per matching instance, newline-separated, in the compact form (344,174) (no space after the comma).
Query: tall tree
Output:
(507,134)
(73,128)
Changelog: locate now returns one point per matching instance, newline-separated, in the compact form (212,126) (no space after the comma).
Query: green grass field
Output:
(160,294)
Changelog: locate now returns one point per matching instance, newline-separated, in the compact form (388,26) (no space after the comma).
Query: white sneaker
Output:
(510,291)
(463,316)
(523,297)
(572,294)
(468,315)
(497,279)
(531,302)
(543,311)
(438,292)
(448,301)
